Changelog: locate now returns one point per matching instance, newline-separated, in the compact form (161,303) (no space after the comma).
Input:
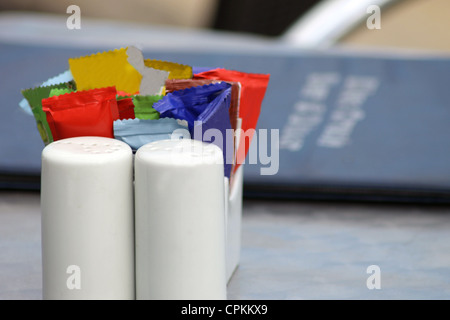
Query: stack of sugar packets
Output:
(120,94)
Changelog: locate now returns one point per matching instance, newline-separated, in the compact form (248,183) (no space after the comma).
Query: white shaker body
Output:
(180,221)
(87,219)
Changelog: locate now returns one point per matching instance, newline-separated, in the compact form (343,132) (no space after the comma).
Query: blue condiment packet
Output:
(137,132)
(204,108)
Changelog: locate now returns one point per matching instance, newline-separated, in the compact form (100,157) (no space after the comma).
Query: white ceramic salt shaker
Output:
(180,221)
(87,219)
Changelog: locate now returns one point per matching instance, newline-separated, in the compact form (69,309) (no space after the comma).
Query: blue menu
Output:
(333,125)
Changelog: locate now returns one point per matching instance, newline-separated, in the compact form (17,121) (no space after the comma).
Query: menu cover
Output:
(333,125)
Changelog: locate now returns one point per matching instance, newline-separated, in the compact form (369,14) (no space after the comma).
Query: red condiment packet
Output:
(81,113)
(253,89)
(122,94)
(115,111)
(180,84)
(126,108)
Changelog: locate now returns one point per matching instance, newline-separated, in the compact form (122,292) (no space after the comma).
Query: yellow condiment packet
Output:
(176,70)
(105,69)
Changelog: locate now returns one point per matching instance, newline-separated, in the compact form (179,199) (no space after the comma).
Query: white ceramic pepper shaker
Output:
(180,221)
(87,219)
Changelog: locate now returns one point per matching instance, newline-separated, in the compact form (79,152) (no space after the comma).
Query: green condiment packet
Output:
(143,107)
(122,97)
(34,97)
(59,91)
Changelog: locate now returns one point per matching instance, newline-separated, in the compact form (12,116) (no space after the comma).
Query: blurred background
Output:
(410,24)
(254,16)
(212,28)
(290,250)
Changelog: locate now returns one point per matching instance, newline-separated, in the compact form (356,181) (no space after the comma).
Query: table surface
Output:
(290,250)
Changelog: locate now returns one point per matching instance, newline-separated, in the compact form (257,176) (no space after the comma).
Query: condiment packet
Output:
(64,77)
(176,70)
(34,98)
(180,84)
(203,107)
(253,88)
(123,68)
(59,91)
(138,132)
(104,69)
(188,104)
(126,108)
(153,80)
(81,113)
(143,107)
